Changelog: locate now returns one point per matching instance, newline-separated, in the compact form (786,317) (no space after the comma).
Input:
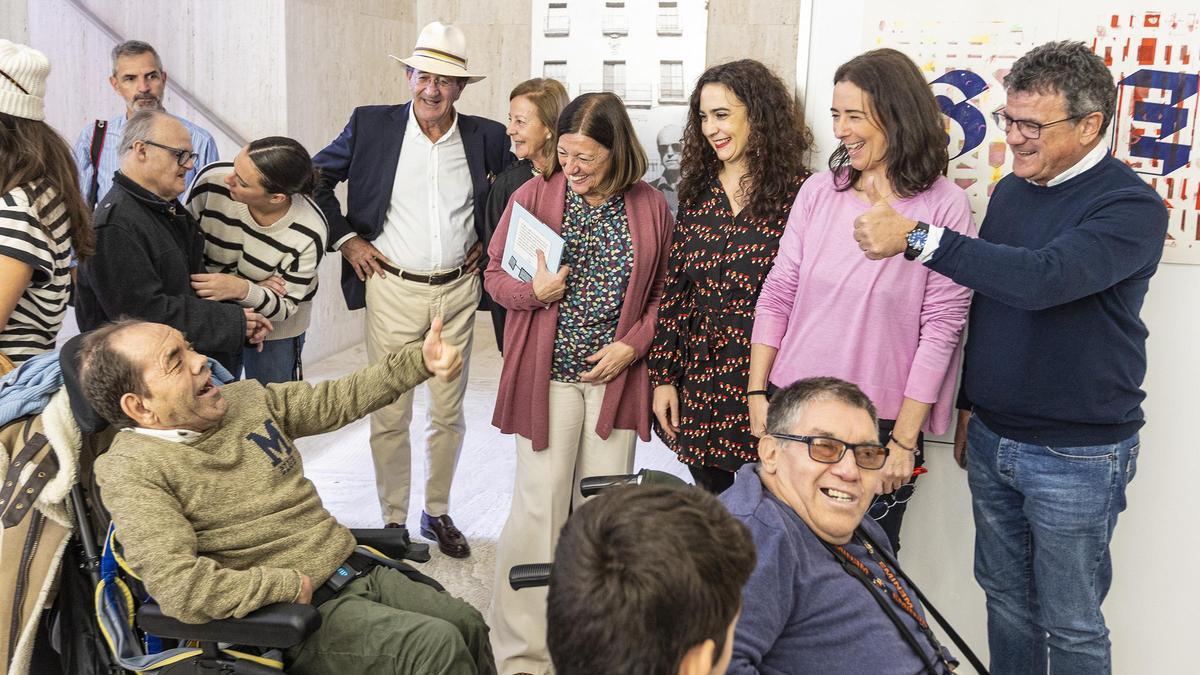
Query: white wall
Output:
(14,20)
(1151,608)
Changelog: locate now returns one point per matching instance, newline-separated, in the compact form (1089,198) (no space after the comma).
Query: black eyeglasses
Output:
(182,156)
(1028,129)
(828,450)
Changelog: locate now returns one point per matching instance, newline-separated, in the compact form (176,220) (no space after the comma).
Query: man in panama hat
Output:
(410,237)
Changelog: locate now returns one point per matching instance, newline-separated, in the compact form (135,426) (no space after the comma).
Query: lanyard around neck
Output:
(898,596)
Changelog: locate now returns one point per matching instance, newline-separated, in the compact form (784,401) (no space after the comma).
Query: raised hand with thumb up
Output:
(441,359)
(547,287)
(880,231)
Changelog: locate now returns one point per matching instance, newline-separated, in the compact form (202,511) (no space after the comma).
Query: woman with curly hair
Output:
(743,161)
(890,327)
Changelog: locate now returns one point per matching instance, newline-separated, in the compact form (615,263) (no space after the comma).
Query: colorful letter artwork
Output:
(1154,61)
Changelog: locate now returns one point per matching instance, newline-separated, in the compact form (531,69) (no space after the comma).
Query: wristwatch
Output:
(916,238)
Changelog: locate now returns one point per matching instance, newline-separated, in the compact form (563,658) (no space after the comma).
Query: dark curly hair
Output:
(778,144)
(902,106)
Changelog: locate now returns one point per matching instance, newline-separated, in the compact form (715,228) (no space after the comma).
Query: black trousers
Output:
(711,478)
(894,517)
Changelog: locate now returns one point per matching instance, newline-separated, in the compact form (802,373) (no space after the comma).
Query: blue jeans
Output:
(278,361)
(1044,518)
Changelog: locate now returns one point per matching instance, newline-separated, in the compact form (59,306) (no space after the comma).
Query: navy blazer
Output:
(366,154)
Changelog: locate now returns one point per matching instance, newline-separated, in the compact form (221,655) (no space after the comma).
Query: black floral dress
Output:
(702,343)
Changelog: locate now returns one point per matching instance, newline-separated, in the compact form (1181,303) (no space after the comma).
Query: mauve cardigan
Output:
(523,399)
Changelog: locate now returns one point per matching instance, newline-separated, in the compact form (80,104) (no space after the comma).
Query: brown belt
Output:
(431,279)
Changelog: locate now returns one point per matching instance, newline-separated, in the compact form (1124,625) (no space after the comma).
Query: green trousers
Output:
(384,622)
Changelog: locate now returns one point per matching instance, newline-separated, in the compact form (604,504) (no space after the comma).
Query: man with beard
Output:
(139,78)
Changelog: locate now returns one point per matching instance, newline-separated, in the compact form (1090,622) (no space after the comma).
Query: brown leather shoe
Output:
(442,530)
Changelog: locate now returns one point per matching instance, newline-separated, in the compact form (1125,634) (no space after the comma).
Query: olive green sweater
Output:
(227,524)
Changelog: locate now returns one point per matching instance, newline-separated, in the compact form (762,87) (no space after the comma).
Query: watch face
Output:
(917,238)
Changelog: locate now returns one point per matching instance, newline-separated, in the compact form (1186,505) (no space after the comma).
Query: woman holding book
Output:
(574,388)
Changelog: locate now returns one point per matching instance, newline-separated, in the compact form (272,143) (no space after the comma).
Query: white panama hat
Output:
(442,50)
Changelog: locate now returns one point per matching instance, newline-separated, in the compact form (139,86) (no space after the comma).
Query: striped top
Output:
(34,229)
(234,243)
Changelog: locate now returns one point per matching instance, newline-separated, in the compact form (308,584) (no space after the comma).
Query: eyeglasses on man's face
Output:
(423,80)
(182,156)
(1028,128)
(829,450)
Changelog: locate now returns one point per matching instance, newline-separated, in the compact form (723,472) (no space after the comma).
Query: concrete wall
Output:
(14,21)
(224,51)
(764,30)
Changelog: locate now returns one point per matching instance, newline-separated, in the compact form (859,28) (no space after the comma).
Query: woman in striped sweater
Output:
(42,213)
(264,237)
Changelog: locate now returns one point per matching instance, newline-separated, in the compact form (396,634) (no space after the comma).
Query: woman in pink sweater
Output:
(574,387)
(892,327)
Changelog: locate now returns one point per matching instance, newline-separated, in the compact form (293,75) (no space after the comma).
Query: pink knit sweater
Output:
(893,327)
(522,402)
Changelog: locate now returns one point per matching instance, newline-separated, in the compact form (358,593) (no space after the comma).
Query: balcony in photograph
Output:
(633,95)
(668,24)
(557,26)
(614,25)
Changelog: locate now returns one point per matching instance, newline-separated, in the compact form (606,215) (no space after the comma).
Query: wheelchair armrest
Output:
(529,576)
(392,542)
(280,625)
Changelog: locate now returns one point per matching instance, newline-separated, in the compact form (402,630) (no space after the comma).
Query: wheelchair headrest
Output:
(89,420)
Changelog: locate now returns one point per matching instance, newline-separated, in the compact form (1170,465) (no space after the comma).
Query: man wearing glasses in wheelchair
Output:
(209,499)
(826,590)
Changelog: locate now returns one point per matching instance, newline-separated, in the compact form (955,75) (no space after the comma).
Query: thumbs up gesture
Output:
(880,231)
(441,359)
(547,287)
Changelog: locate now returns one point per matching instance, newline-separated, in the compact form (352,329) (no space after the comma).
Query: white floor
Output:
(340,465)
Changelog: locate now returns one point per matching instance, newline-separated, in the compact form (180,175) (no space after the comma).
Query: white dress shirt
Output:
(1089,160)
(430,222)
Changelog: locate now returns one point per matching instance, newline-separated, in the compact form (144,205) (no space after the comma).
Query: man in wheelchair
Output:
(826,590)
(210,502)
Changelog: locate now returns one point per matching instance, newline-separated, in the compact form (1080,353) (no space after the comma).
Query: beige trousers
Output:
(399,313)
(546,488)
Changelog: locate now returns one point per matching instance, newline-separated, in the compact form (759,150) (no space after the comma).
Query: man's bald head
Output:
(151,148)
(109,368)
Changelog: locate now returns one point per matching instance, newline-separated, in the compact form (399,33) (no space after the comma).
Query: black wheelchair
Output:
(141,639)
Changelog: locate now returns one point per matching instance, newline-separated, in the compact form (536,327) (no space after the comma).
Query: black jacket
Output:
(365,156)
(146,251)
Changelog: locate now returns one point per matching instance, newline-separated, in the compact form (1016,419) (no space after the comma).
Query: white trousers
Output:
(546,488)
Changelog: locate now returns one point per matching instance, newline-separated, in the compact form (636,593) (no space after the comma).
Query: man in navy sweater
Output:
(1055,358)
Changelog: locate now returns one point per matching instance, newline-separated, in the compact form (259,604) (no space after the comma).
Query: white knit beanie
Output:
(23,72)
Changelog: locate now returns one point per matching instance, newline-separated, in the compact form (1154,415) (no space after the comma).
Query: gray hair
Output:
(138,128)
(789,403)
(134,48)
(1071,69)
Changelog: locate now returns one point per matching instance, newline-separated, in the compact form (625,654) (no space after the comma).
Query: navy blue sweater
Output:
(1056,349)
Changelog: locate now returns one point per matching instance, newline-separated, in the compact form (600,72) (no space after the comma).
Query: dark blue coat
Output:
(366,154)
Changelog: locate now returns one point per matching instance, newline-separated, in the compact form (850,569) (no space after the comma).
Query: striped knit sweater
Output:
(235,244)
(34,229)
